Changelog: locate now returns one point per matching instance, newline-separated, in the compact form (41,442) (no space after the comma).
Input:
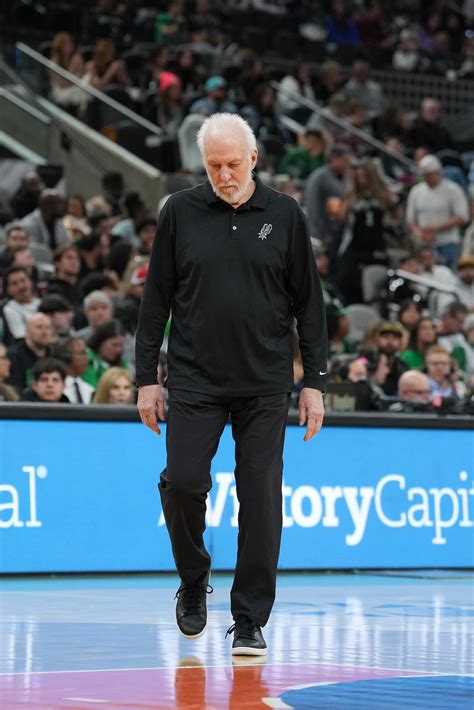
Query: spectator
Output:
(331,80)
(26,199)
(409,314)
(323,193)
(67,265)
(73,353)
(146,230)
(428,130)
(169,103)
(90,255)
(341,29)
(338,330)
(64,54)
(438,368)
(451,327)
(465,281)
(115,387)
(136,212)
(426,257)
(22,303)
(16,238)
(128,308)
(105,349)
(25,353)
(331,293)
(427,30)
(76,207)
(60,312)
(294,87)
(44,224)
(48,383)
(388,340)
(364,91)
(468,239)
(263,116)
(407,56)
(467,66)
(336,109)
(300,162)
(113,189)
(463,353)
(216,100)
(104,68)
(414,386)
(436,209)
(422,337)
(7,392)
(362,210)
(97,310)
(75,219)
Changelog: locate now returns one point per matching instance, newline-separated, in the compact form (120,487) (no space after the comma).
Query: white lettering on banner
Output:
(13,504)
(390,501)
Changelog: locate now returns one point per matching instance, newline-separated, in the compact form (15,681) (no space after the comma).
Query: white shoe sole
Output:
(249,651)
(196,636)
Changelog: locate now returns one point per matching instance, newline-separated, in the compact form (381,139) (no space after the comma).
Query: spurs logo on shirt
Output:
(265,231)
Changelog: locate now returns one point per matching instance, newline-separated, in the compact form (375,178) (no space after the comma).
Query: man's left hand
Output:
(311,411)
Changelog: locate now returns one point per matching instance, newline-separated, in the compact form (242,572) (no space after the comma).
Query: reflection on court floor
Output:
(336,641)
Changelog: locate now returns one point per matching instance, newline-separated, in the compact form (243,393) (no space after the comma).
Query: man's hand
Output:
(427,234)
(151,406)
(311,411)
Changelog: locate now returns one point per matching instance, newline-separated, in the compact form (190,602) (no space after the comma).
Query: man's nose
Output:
(225,174)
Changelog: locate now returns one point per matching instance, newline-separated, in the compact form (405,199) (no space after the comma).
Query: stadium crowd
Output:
(392,231)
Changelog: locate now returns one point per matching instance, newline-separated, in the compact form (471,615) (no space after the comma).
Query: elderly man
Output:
(414,386)
(436,209)
(44,223)
(233,259)
(25,353)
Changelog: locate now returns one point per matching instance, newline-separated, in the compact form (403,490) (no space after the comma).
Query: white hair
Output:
(97,297)
(221,125)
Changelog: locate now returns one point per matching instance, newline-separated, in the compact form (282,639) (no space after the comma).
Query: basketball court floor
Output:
(340,641)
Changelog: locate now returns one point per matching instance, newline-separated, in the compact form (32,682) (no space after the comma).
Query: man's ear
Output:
(253,158)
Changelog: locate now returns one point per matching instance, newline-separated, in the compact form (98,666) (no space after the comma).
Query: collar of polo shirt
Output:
(259,199)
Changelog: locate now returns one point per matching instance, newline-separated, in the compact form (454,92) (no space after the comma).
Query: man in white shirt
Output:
(22,304)
(74,355)
(436,209)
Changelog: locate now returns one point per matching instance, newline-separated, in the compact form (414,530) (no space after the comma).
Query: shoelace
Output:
(245,629)
(192,596)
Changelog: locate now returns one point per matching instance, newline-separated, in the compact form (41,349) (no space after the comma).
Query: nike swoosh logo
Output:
(322,373)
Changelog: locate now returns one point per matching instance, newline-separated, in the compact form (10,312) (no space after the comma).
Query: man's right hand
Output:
(151,406)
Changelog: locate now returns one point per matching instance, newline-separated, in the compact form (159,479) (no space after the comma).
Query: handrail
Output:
(16,79)
(346,126)
(424,281)
(92,91)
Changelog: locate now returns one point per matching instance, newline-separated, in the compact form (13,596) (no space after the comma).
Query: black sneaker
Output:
(248,639)
(191,610)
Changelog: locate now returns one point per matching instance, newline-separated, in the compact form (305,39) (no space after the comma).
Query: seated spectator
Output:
(22,302)
(104,69)
(407,56)
(216,100)
(115,387)
(450,333)
(428,131)
(301,161)
(331,293)
(463,353)
(105,349)
(414,386)
(262,115)
(338,329)
(60,312)
(90,254)
(113,190)
(25,353)
(75,218)
(438,368)
(422,337)
(44,224)
(295,86)
(65,55)
(330,82)
(341,28)
(26,198)
(48,383)
(409,314)
(388,340)
(465,281)
(73,353)
(67,265)
(436,209)
(365,91)
(467,66)
(128,308)
(166,106)
(7,392)
(146,230)
(98,310)
(137,211)
(16,238)
(426,257)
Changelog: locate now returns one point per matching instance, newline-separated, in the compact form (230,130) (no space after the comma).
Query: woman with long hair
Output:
(65,55)
(104,68)
(7,392)
(105,349)
(362,210)
(115,387)
(422,337)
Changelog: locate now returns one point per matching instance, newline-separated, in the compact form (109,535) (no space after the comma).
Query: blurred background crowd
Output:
(387,186)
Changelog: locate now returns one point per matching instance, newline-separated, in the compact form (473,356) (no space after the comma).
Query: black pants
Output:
(194,427)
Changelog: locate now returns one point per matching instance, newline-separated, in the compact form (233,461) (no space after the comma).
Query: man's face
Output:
(466,274)
(229,164)
(416,390)
(79,359)
(438,366)
(69,263)
(20,287)
(39,331)
(61,321)
(49,386)
(17,239)
(389,342)
(146,237)
(340,164)
(433,179)
(98,313)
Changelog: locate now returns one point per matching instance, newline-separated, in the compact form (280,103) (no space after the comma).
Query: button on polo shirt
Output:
(234,280)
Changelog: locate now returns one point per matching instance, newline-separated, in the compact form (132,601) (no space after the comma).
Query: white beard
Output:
(234,194)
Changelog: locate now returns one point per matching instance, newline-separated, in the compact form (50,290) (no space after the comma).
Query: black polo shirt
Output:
(234,280)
